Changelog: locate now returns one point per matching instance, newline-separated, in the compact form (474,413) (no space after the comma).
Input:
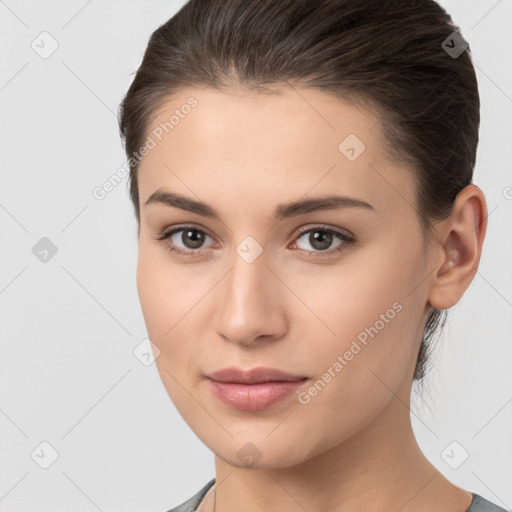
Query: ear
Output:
(458,248)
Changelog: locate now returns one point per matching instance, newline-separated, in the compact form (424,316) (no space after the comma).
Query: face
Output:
(328,290)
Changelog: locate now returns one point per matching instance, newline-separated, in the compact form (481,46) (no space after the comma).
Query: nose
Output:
(250,303)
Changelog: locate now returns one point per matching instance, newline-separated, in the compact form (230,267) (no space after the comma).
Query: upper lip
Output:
(253,375)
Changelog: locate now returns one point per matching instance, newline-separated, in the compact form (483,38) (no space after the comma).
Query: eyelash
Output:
(347,240)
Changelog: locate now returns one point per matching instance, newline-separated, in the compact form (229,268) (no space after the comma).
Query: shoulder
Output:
(191,504)
(480,504)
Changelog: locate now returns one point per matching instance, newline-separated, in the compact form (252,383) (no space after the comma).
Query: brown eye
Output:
(192,238)
(320,240)
(185,240)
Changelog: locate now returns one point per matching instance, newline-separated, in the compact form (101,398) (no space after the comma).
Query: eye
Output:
(188,240)
(321,239)
(191,238)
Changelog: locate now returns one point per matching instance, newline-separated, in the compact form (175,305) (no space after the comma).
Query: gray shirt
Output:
(478,504)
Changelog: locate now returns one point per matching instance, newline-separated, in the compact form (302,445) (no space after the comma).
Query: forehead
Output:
(292,142)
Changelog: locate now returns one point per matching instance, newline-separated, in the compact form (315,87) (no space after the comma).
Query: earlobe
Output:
(461,237)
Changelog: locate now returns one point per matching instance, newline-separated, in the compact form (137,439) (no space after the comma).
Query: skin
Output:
(352,446)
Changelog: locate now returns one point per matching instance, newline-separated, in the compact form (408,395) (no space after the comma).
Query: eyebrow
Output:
(282,211)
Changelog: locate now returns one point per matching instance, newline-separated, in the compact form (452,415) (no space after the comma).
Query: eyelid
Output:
(166,233)
(344,232)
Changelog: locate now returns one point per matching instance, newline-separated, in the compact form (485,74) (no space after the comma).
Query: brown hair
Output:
(387,55)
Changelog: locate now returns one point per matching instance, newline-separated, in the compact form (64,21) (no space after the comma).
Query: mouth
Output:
(255,389)
(253,376)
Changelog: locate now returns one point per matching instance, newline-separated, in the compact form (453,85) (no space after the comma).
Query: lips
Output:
(255,389)
(253,376)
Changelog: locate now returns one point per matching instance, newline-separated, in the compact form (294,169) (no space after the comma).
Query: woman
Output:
(301,173)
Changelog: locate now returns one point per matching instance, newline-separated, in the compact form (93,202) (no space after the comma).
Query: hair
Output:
(383,55)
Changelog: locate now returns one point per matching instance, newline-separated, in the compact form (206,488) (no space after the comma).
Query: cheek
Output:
(150,287)
(162,287)
(373,319)
(160,297)
(372,329)
(170,300)
(358,370)
(162,294)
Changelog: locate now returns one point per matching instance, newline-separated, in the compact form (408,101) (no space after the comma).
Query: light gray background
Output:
(69,326)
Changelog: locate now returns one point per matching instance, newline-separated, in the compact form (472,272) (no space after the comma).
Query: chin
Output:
(258,452)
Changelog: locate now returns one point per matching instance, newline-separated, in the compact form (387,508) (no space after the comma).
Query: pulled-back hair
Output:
(389,56)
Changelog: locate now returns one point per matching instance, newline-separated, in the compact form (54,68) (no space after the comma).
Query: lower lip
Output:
(253,397)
